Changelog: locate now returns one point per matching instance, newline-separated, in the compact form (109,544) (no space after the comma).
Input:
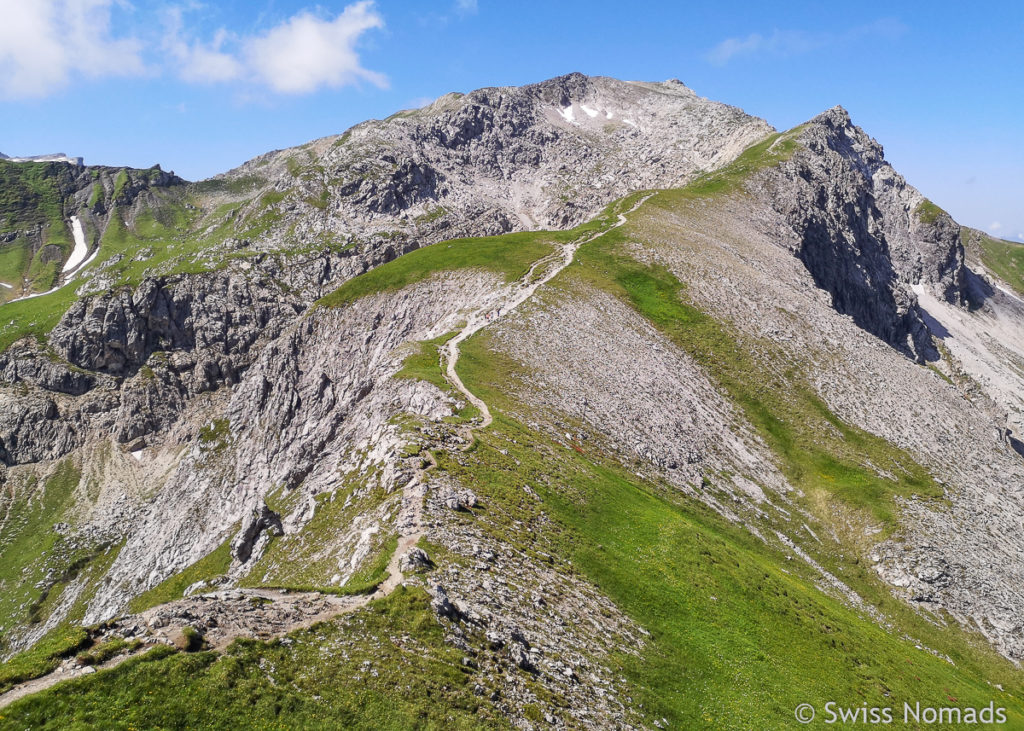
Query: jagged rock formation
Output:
(229,430)
(861,235)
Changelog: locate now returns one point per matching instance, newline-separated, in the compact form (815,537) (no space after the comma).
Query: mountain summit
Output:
(587,403)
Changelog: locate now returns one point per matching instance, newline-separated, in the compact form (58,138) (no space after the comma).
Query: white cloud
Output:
(795,42)
(298,56)
(466,6)
(197,61)
(306,52)
(781,42)
(995,226)
(45,44)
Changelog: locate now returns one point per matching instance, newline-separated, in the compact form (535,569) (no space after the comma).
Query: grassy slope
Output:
(29,544)
(37,564)
(739,638)
(33,317)
(423,364)
(739,633)
(928,212)
(14,259)
(383,668)
(44,656)
(30,195)
(1005,259)
(510,255)
(31,198)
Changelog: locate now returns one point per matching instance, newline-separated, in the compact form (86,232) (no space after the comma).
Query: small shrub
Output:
(194,640)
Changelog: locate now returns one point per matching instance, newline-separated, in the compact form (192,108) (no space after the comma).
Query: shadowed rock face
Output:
(860,234)
(215,315)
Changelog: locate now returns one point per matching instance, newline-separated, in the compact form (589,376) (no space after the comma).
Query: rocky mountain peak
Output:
(835,117)
(550,154)
(562,90)
(833,129)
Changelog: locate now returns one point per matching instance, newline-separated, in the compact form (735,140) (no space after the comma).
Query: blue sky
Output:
(203,86)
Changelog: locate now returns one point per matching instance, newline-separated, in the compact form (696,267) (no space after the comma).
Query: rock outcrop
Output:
(862,233)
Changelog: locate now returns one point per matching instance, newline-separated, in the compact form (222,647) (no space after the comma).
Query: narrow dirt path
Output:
(63,673)
(253,613)
(515,295)
(410,527)
(279,616)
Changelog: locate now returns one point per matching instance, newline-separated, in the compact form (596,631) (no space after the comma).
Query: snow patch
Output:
(37,294)
(86,263)
(630,122)
(5,284)
(590,112)
(137,454)
(81,248)
(567,114)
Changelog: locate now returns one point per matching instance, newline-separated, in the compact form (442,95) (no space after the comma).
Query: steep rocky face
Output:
(864,234)
(316,404)
(207,317)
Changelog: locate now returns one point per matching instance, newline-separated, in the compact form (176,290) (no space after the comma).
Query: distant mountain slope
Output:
(37,201)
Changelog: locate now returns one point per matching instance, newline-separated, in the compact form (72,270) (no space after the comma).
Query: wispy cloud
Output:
(994,226)
(198,61)
(784,43)
(467,7)
(45,44)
